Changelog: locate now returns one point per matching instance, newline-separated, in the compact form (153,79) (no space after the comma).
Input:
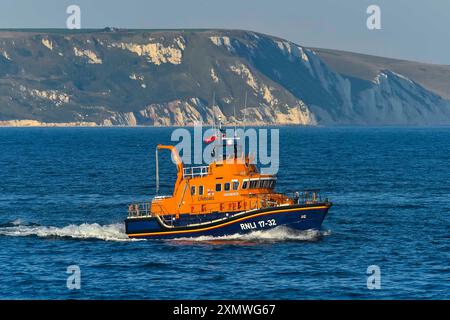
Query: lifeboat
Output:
(228,196)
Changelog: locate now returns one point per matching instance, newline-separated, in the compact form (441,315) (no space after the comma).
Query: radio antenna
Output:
(245,108)
(235,120)
(214,110)
(157,172)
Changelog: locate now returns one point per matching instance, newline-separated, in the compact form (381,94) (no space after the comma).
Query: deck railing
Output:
(193,172)
(143,210)
(136,210)
(310,196)
(260,201)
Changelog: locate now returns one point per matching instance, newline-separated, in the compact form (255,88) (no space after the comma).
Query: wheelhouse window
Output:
(218,187)
(200,190)
(235,185)
(269,183)
(260,184)
(226,186)
(192,190)
(272,184)
(245,184)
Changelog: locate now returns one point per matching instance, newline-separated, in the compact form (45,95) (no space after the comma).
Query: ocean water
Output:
(64,195)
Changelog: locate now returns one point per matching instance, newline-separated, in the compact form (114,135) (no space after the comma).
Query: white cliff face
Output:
(259,88)
(168,79)
(390,99)
(47,43)
(394,99)
(271,110)
(295,53)
(214,77)
(35,123)
(335,84)
(91,56)
(297,115)
(192,111)
(6,55)
(55,97)
(246,74)
(51,95)
(175,113)
(222,41)
(155,52)
(292,51)
(138,78)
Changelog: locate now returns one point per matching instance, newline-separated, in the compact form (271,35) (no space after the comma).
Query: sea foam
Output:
(116,232)
(280,233)
(110,232)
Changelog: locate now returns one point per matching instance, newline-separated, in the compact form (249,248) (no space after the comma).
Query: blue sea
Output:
(64,194)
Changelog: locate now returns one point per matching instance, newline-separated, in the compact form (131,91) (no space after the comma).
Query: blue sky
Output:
(414,29)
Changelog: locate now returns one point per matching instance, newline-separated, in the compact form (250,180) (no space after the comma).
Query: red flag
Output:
(210,139)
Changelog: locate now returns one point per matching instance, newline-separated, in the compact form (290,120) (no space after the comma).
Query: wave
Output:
(280,233)
(110,232)
(12,223)
(116,232)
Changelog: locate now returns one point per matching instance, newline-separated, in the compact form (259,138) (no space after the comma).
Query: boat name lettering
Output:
(205,198)
(258,224)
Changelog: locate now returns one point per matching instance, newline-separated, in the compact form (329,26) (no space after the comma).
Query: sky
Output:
(410,29)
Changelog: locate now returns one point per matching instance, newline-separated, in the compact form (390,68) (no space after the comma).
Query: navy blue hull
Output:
(295,217)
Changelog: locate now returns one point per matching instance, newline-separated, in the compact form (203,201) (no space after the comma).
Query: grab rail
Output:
(254,201)
(144,210)
(193,172)
(309,196)
(140,210)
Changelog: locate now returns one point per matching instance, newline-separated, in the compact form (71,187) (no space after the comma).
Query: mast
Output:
(245,108)
(214,110)
(234,113)
(245,123)
(157,172)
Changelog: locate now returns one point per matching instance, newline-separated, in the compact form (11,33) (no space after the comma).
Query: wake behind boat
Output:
(228,196)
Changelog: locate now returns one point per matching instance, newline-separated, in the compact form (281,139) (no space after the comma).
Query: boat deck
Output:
(305,197)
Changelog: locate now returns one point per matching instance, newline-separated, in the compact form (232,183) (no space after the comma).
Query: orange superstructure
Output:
(231,185)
